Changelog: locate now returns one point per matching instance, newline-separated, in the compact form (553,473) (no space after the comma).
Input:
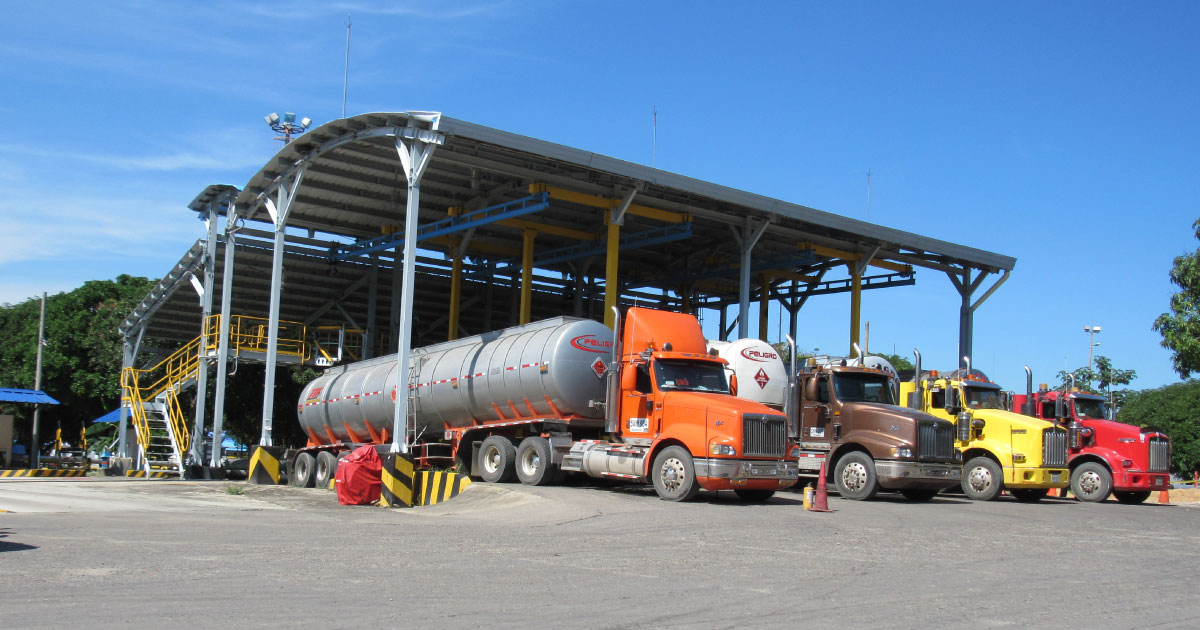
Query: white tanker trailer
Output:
(531,401)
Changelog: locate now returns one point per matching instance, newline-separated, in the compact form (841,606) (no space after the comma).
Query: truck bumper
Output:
(895,475)
(731,474)
(1133,480)
(1029,478)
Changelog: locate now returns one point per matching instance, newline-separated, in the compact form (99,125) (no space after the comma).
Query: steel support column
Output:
(286,192)
(746,239)
(966,286)
(414,155)
(231,220)
(527,238)
(857,268)
(610,271)
(764,305)
(206,306)
(368,350)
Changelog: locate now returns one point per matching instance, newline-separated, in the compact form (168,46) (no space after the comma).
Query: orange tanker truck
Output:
(564,395)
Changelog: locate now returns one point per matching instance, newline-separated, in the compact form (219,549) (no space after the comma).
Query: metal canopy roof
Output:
(354,188)
(26,396)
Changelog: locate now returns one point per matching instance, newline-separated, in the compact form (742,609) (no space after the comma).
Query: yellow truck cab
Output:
(1001,449)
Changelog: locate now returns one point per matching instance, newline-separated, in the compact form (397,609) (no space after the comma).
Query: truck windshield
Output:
(697,376)
(983,398)
(1091,408)
(873,388)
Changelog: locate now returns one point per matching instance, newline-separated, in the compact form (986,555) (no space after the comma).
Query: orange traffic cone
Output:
(1164,497)
(821,503)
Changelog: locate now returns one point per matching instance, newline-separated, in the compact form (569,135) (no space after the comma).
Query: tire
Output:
(533,462)
(497,459)
(919,495)
(674,474)
(301,472)
(1030,495)
(754,496)
(855,477)
(1091,482)
(327,464)
(1132,498)
(982,479)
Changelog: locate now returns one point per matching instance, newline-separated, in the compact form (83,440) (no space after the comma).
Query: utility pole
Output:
(35,456)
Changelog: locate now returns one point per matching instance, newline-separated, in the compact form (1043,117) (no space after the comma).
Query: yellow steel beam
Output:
(596,201)
(527,275)
(476,246)
(610,270)
(455,294)
(830,252)
(546,228)
(779,274)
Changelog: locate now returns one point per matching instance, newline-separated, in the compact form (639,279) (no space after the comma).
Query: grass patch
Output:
(234,490)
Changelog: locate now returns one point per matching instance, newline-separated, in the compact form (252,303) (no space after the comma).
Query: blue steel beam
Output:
(657,236)
(787,262)
(868,282)
(462,222)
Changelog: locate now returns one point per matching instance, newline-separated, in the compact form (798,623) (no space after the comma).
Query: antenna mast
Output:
(346,72)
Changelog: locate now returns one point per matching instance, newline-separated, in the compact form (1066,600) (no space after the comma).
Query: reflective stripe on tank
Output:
(420,385)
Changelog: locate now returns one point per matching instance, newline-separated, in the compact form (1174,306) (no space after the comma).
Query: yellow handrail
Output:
(183,438)
(137,412)
(250,334)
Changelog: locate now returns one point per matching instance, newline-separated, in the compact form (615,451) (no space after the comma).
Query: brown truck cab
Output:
(849,418)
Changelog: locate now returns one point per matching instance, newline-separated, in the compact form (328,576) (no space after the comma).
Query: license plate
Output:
(1054,477)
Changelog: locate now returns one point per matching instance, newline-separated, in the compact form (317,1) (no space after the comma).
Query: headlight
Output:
(903,452)
(1018,457)
(722,449)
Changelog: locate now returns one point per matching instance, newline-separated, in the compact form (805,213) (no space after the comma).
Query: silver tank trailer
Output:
(458,381)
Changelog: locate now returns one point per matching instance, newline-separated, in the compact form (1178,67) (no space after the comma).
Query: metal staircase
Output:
(152,396)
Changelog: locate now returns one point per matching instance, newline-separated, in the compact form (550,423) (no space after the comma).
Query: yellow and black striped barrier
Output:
(264,465)
(153,474)
(42,472)
(435,487)
(397,487)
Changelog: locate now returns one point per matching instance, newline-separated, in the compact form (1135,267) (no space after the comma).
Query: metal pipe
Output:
(918,395)
(858,352)
(1027,409)
(611,419)
(791,393)
(967,360)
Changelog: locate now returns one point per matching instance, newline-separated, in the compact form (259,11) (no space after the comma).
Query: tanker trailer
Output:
(531,402)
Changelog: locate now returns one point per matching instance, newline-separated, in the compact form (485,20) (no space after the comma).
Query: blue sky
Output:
(1063,134)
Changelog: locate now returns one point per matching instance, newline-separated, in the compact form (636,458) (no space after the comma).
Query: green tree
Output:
(899,362)
(1180,329)
(1104,376)
(81,361)
(1173,410)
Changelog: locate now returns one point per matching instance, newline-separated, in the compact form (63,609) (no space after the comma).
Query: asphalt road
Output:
(106,553)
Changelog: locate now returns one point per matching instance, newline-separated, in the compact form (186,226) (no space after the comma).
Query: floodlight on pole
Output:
(287,125)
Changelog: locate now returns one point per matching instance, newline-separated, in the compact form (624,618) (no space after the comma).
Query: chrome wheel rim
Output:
(980,479)
(672,473)
(530,462)
(1089,483)
(491,459)
(854,476)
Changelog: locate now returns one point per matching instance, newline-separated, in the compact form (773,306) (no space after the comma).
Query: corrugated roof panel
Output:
(26,396)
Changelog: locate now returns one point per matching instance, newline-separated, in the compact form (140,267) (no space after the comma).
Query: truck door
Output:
(636,405)
(815,432)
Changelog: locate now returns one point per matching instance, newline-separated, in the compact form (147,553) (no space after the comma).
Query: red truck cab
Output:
(1105,457)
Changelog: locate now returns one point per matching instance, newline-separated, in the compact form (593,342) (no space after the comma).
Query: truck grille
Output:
(1160,454)
(1054,448)
(764,435)
(935,440)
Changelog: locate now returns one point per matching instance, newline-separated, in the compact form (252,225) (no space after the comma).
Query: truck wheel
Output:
(1132,498)
(855,476)
(326,469)
(1030,495)
(919,494)
(982,479)
(754,496)
(533,462)
(497,459)
(301,473)
(1091,482)
(674,474)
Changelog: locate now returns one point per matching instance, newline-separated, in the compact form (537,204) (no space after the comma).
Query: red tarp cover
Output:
(358,477)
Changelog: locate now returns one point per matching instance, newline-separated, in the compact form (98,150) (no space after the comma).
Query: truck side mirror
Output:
(810,389)
(629,377)
(1060,409)
(953,401)
(733,384)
